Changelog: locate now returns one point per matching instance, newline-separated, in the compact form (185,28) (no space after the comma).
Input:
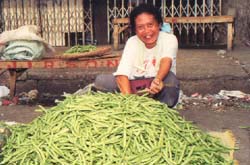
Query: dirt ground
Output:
(221,116)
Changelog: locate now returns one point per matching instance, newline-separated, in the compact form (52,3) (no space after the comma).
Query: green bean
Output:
(188,158)
(106,128)
(80,49)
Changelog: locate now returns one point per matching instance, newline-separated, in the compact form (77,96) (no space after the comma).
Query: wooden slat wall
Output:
(61,18)
(58,19)
(190,34)
(15,15)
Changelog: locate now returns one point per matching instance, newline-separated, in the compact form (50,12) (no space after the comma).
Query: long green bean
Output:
(80,49)
(105,128)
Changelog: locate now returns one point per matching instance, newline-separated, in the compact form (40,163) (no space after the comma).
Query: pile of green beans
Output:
(104,128)
(80,49)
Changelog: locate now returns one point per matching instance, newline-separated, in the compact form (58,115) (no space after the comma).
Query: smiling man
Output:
(148,61)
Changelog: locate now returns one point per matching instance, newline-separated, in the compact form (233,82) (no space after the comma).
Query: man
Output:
(148,61)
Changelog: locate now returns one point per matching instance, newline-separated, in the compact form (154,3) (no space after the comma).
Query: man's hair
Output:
(144,8)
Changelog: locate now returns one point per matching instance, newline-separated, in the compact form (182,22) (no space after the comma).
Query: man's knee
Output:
(171,102)
(105,82)
(170,96)
(170,92)
(171,79)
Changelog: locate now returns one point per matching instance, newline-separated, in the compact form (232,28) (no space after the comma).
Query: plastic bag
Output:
(4,91)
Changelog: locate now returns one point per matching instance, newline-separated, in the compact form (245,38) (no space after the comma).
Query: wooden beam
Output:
(121,21)
(60,63)
(207,19)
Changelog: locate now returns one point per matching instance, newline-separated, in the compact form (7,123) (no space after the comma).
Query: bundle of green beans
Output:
(105,128)
(80,49)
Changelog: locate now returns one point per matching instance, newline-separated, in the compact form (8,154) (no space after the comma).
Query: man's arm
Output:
(123,84)
(165,65)
(157,84)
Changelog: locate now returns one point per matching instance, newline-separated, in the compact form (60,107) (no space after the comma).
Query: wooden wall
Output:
(62,22)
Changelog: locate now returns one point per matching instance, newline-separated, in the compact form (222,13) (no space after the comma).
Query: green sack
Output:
(23,50)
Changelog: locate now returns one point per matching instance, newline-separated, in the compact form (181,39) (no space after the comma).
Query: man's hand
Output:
(156,86)
(123,84)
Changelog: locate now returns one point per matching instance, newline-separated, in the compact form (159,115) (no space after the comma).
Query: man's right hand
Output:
(123,84)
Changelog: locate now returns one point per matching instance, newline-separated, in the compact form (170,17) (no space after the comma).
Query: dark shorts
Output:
(169,94)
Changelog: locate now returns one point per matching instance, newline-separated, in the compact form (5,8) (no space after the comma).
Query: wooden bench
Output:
(121,24)
(16,68)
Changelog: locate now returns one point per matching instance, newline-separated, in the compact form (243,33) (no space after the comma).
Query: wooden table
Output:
(16,68)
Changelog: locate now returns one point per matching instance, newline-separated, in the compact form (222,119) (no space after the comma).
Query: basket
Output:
(100,51)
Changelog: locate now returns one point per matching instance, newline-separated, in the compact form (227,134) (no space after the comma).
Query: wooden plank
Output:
(207,19)
(60,63)
(121,21)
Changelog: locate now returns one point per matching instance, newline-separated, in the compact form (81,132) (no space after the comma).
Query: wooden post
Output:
(116,37)
(14,74)
(13,77)
(229,36)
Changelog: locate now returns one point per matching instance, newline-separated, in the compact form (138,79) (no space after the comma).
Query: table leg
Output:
(116,37)
(14,74)
(229,36)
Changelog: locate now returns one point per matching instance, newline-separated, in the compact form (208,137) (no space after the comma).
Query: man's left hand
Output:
(156,86)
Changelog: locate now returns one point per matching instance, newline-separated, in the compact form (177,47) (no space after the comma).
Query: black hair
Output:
(144,8)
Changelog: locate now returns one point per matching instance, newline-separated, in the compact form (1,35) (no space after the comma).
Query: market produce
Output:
(4,134)
(105,128)
(80,49)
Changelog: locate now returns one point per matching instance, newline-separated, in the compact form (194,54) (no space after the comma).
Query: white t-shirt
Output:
(138,61)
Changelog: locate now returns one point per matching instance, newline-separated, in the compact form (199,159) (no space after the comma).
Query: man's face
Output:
(147,29)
